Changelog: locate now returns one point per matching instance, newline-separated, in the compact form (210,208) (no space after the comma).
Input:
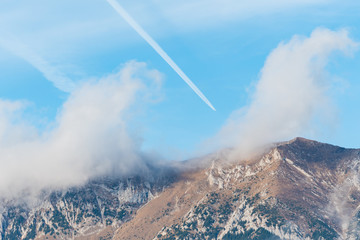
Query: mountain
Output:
(300,189)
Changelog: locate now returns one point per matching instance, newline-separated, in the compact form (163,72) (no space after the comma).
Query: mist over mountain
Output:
(292,95)
(90,137)
(96,134)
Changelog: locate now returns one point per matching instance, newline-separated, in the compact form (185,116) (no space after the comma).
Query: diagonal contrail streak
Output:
(49,71)
(119,9)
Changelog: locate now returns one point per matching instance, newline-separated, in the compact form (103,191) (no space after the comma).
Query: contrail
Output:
(50,72)
(118,8)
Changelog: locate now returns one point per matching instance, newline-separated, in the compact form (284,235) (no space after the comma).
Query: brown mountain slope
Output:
(289,193)
(166,209)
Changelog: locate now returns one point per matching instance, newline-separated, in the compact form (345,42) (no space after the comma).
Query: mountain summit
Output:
(300,189)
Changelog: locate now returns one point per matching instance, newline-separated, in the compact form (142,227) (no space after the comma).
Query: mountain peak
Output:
(302,140)
(311,152)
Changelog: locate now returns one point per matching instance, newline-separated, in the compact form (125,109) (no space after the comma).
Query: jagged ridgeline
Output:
(299,189)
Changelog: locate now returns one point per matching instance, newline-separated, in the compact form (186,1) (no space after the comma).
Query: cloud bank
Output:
(89,138)
(290,95)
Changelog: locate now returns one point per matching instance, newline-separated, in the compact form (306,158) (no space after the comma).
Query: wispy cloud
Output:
(290,94)
(50,72)
(89,138)
(79,27)
(192,15)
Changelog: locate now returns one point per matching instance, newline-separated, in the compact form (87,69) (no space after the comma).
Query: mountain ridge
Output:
(299,189)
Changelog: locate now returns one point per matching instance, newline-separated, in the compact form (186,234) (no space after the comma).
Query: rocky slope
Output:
(92,211)
(299,189)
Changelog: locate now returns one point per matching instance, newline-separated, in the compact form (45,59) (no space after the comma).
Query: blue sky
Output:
(221,45)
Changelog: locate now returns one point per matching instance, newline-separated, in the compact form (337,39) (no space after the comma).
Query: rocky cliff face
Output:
(300,189)
(81,212)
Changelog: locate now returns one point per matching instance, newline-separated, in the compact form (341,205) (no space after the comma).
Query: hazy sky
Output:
(49,48)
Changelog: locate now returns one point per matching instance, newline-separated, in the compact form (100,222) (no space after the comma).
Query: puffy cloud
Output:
(290,94)
(89,138)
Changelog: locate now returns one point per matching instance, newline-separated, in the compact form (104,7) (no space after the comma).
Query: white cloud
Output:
(90,137)
(290,94)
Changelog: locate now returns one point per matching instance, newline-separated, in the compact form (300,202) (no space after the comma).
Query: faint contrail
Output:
(50,72)
(118,8)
